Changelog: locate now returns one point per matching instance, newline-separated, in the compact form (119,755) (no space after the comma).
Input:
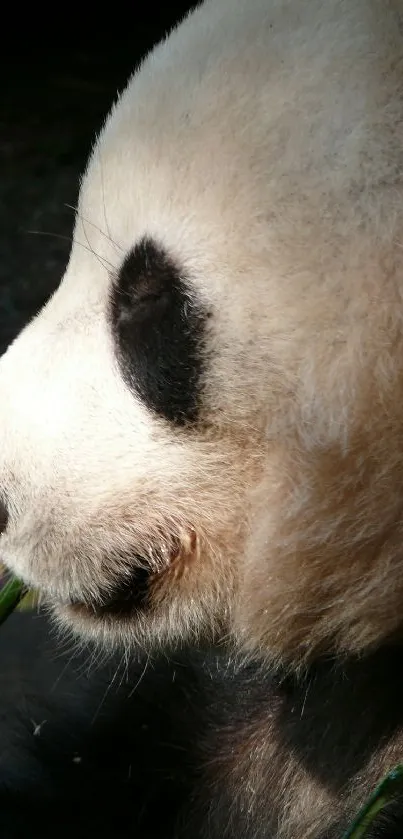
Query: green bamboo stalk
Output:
(11,595)
(389,787)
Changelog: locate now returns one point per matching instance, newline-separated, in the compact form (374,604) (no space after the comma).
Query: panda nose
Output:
(3,516)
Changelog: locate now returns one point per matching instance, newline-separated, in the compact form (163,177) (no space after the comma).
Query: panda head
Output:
(201,433)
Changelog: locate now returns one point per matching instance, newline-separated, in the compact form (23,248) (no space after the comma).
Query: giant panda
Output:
(201,435)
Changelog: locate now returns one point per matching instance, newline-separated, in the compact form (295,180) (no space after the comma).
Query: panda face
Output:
(201,433)
(127,494)
(142,508)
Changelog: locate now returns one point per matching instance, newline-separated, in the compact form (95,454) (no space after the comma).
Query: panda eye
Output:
(158,332)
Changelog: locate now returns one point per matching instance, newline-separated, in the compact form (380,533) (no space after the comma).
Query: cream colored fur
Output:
(261,146)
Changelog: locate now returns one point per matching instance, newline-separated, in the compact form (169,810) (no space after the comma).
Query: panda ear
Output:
(159,333)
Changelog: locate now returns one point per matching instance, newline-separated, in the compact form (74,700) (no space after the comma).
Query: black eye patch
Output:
(158,332)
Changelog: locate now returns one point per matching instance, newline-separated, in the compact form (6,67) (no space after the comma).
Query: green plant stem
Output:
(10,596)
(389,787)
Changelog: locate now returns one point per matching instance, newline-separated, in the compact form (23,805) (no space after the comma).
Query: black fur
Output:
(3,516)
(128,596)
(158,331)
(149,752)
(109,758)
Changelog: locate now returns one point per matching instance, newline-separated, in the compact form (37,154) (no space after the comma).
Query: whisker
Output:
(109,687)
(104,262)
(103,191)
(95,226)
(63,671)
(140,678)
(124,664)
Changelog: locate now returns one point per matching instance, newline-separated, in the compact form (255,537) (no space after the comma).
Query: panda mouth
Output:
(133,594)
(120,601)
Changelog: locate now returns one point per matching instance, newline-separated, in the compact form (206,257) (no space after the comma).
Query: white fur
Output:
(261,146)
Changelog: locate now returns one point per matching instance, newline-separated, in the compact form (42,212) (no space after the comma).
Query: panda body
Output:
(190,746)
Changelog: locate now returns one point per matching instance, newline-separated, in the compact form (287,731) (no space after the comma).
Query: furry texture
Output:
(199,746)
(260,149)
(263,153)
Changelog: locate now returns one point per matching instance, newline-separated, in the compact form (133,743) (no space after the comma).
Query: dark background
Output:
(60,71)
